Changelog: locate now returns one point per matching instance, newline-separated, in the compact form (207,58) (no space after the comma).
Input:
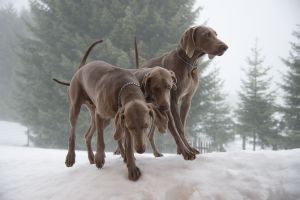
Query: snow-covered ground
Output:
(32,173)
(12,133)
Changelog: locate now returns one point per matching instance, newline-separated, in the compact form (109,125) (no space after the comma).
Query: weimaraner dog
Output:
(156,84)
(123,100)
(194,43)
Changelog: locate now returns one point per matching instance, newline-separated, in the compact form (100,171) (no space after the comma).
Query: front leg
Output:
(179,125)
(176,115)
(100,154)
(156,153)
(185,107)
(133,171)
(121,149)
(186,153)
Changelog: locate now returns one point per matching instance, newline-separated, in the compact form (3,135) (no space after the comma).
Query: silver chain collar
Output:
(191,65)
(122,88)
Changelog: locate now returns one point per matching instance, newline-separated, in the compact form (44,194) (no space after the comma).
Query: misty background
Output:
(41,40)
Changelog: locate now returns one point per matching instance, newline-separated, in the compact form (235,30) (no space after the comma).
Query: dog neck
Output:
(192,62)
(130,94)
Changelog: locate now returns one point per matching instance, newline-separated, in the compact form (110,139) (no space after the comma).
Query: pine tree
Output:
(291,88)
(256,109)
(62,30)
(12,26)
(209,115)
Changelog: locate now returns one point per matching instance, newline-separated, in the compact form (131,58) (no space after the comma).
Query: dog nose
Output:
(223,47)
(163,107)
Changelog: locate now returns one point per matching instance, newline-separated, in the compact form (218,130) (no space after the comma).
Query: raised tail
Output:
(61,82)
(136,53)
(87,52)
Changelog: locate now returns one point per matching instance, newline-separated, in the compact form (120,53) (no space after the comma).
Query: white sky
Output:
(238,23)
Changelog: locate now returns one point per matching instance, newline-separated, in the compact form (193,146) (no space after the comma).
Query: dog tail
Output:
(87,52)
(61,82)
(136,53)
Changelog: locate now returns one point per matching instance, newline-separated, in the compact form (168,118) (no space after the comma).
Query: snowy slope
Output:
(12,133)
(32,173)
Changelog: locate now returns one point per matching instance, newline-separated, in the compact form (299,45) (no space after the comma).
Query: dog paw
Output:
(117,151)
(195,151)
(157,154)
(134,173)
(188,155)
(70,159)
(99,160)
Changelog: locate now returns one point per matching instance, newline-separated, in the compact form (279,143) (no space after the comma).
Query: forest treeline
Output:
(49,41)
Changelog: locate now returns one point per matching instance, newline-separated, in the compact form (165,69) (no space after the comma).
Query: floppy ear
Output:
(160,118)
(174,87)
(146,85)
(119,124)
(187,41)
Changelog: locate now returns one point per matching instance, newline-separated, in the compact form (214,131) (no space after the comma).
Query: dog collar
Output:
(123,87)
(189,64)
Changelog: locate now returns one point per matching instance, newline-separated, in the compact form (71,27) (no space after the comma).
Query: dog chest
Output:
(187,82)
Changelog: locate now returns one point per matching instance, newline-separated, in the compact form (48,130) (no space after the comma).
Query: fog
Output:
(240,23)
(226,137)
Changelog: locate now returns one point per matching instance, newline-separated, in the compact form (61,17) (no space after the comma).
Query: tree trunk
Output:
(244,143)
(254,141)
(27,133)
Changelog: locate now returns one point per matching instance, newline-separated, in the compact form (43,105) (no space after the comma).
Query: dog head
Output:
(139,118)
(204,39)
(157,85)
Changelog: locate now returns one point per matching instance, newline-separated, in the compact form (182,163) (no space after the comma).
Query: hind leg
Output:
(74,112)
(90,132)
(76,96)
(100,154)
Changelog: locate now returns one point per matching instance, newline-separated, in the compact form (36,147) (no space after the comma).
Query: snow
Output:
(12,133)
(32,173)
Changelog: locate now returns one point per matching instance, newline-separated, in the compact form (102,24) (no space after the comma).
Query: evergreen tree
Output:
(291,88)
(256,109)
(209,115)
(12,26)
(63,29)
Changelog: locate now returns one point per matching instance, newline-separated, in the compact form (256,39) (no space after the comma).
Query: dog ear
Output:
(119,124)
(160,118)
(187,41)
(174,87)
(146,85)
